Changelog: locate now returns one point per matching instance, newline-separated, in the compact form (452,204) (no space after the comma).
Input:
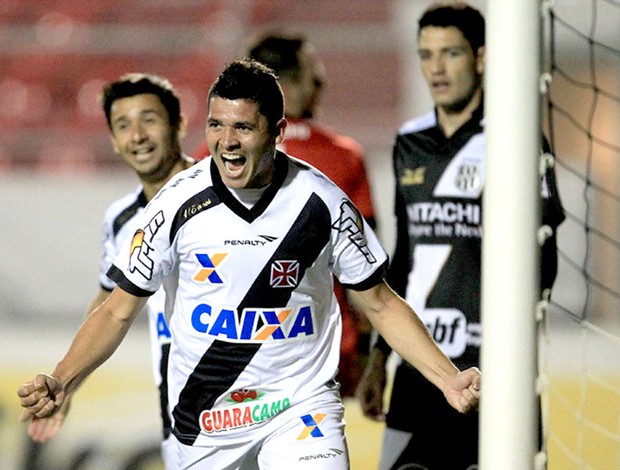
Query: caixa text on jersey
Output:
(255,325)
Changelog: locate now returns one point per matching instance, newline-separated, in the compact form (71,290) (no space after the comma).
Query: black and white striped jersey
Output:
(249,292)
(437,264)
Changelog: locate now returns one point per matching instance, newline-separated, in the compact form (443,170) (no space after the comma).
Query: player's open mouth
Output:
(233,163)
(143,153)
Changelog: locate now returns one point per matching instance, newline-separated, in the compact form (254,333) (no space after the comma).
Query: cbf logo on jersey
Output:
(140,260)
(351,223)
(448,328)
(254,325)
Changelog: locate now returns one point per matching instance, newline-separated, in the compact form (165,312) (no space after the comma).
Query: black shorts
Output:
(442,438)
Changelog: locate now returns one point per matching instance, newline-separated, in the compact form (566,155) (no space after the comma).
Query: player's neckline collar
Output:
(281,170)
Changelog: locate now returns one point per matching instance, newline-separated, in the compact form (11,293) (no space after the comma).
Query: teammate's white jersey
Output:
(120,222)
(249,292)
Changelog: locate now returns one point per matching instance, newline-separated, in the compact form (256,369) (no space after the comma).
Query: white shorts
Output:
(307,436)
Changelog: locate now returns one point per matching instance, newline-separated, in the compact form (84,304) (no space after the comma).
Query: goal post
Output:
(508,416)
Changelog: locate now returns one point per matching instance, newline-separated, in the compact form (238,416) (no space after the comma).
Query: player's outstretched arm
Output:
(96,340)
(401,327)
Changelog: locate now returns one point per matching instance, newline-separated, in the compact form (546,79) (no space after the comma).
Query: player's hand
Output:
(43,429)
(463,390)
(371,388)
(41,397)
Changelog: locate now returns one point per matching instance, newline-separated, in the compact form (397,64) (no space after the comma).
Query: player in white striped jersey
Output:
(146,125)
(245,244)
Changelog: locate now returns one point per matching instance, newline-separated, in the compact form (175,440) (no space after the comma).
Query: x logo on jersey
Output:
(274,320)
(312,426)
(208,267)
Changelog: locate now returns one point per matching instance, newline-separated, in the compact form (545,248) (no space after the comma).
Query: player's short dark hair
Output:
(279,51)
(133,84)
(247,79)
(460,15)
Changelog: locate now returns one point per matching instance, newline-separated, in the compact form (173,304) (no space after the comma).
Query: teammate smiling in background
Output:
(439,172)
(146,125)
(257,323)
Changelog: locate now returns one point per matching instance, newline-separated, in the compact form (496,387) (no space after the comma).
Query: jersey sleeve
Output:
(359,260)
(141,267)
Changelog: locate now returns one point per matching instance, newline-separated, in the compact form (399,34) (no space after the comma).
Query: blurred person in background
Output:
(245,244)
(341,158)
(146,125)
(438,162)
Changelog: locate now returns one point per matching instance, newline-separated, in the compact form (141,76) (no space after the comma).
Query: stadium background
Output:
(58,173)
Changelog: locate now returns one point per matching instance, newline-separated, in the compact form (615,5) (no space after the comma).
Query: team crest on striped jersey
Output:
(284,273)
(468,178)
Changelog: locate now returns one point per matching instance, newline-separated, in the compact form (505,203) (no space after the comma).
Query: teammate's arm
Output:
(101,296)
(397,322)
(96,340)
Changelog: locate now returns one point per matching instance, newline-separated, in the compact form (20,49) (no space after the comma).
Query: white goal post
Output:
(508,432)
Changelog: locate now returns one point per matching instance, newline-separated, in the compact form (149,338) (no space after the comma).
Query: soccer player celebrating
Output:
(245,244)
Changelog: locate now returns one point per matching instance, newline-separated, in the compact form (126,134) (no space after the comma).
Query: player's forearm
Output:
(400,326)
(94,343)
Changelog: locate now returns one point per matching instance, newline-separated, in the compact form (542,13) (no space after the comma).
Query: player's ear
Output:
(182,130)
(280,129)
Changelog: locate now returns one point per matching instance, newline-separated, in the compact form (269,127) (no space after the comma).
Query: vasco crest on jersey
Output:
(284,273)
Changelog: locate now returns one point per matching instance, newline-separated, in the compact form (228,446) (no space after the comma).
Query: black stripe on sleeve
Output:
(119,278)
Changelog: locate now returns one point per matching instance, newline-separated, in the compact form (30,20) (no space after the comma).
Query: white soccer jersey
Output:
(255,324)
(119,224)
